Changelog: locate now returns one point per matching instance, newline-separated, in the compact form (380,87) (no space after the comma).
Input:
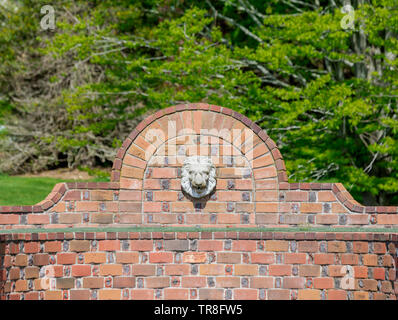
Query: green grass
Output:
(25,191)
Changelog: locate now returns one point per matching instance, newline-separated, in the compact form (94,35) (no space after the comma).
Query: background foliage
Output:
(325,94)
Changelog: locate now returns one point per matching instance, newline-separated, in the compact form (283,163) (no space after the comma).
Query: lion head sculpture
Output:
(198,176)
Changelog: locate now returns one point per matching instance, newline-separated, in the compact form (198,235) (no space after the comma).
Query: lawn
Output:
(16,191)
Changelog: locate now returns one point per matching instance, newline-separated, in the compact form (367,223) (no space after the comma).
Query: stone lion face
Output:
(198,176)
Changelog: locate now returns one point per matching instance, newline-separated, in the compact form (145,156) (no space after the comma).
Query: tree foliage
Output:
(326,94)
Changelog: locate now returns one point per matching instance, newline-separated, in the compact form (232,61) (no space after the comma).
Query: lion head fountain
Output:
(198,176)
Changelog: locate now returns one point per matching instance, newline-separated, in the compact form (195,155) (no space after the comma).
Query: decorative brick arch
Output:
(209,117)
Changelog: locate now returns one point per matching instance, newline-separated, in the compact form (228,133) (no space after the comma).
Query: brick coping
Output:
(200,233)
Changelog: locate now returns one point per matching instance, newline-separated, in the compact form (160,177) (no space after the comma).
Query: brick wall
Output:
(145,191)
(199,265)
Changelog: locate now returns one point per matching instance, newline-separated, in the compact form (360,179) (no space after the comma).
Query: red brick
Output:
(109,245)
(227,282)
(323,258)
(194,257)
(53,295)
(165,195)
(160,257)
(261,282)
(21,260)
(177,269)
(309,294)
(79,245)
(293,282)
(308,246)
(32,272)
(210,245)
(311,207)
(193,282)
(52,246)
(95,257)
(262,258)
(278,294)
(21,285)
(326,219)
(127,257)
(102,195)
(157,282)
(326,196)
(379,273)
(334,294)
(277,245)
(87,206)
(323,283)
(66,258)
(142,294)
(141,245)
(349,258)
(211,269)
(360,247)
(41,259)
(38,219)
(246,270)
(295,258)
(361,295)
(370,259)
(109,294)
(244,245)
(124,282)
(81,270)
(31,296)
(93,282)
(32,247)
(292,196)
(379,247)
(245,294)
(176,294)
(337,246)
(360,272)
(280,270)
(143,270)
(111,269)
(80,294)
(309,270)
(9,218)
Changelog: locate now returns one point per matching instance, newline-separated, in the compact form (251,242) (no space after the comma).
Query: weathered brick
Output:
(309,294)
(309,270)
(176,293)
(194,257)
(111,270)
(246,270)
(126,257)
(110,294)
(277,245)
(79,245)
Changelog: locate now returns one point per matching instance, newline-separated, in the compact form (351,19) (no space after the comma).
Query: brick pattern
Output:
(199,265)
